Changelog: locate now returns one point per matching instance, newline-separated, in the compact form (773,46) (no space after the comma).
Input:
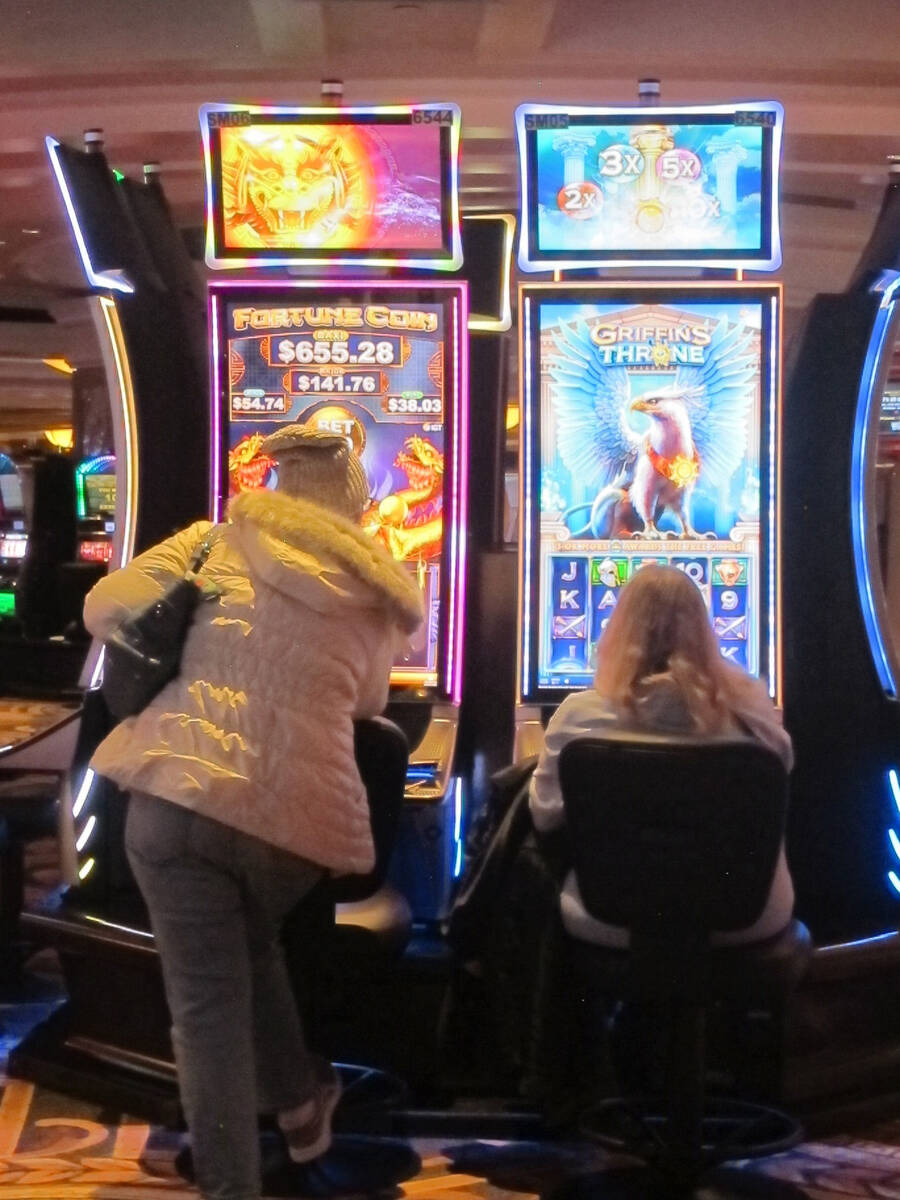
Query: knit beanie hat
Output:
(320,467)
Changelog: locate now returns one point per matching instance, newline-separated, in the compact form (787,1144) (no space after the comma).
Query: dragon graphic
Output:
(247,468)
(292,188)
(696,432)
(410,521)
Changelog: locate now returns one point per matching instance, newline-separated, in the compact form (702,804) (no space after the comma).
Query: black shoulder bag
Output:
(145,651)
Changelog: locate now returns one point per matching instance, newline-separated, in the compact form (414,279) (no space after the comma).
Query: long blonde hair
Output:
(660,627)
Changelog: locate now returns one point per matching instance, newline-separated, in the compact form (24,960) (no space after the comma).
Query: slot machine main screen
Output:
(383,375)
(651,430)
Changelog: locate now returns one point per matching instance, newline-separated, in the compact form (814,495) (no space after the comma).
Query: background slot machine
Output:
(13,534)
(382,362)
(95,499)
(629,388)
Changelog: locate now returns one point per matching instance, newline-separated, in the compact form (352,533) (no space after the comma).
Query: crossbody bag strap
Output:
(201,554)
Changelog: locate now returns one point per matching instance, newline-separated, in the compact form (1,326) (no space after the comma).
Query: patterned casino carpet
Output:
(53,1149)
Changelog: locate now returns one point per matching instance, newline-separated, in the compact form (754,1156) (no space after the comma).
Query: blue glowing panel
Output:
(649,428)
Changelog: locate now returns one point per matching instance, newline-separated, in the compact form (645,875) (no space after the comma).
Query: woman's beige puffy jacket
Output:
(257,729)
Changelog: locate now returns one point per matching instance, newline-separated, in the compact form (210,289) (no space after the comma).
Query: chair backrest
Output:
(673,836)
(382,756)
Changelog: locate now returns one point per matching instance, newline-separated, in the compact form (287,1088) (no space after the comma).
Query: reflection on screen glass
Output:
(374,373)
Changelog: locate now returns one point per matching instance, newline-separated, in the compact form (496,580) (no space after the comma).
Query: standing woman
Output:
(244,786)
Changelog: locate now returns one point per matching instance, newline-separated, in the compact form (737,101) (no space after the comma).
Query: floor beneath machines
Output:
(55,1148)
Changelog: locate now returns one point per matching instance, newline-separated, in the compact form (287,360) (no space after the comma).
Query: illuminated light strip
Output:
(85,836)
(895,787)
(774,418)
(453,263)
(731,264)
(94,920)
(887,284)
(454,499)
(86,869)
(888,935)
(459,510)
(482,324)
(457,826)
(525,521)
(115,279)
(82,794)
(215,449)
(125,537)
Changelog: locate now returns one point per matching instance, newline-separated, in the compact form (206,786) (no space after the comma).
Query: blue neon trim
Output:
(895,882)
(457,826)
(895,786)
(895,842)
(887,285)
(421,772)
(867,941)
(115,278)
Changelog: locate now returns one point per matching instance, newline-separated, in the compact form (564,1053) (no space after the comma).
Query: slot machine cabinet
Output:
(395,169)
(385,365)
(606,368)
(842,660)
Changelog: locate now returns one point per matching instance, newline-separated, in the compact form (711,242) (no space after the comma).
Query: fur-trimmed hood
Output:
(320,558)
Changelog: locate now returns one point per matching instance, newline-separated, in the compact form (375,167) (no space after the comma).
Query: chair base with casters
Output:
(672,838)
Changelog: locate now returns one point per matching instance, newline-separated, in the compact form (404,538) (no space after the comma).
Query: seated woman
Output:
(659,669)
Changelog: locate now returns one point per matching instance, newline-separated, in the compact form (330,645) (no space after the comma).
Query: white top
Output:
(587,713)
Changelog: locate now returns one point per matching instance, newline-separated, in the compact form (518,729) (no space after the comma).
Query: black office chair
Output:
(674,837)
(354,921)
(348,923)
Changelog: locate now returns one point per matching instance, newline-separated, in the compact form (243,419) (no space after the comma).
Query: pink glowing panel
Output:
(336,185)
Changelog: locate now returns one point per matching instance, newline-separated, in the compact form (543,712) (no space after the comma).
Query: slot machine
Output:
(95,501)
(381,361)
(842,596)
(13,534)
(632,387)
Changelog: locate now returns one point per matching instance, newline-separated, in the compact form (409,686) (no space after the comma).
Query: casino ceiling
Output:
(139,69)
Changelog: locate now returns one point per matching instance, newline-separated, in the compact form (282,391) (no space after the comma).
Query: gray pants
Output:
(217,899)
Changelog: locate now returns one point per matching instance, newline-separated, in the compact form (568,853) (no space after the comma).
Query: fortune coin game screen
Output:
(382,374)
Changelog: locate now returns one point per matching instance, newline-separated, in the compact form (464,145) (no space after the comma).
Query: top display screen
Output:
(608,187)
(11,500)
(289,186)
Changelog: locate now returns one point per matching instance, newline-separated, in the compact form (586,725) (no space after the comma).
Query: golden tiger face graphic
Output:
(295,187)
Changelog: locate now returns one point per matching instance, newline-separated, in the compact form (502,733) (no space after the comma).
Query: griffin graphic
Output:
(697,432)
(291,189)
